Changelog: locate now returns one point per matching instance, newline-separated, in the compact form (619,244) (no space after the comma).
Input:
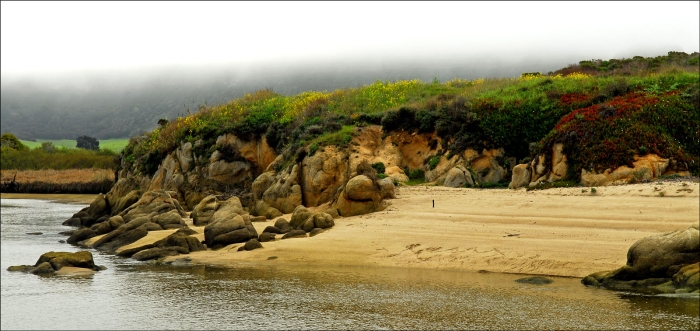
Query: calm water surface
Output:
(138,295)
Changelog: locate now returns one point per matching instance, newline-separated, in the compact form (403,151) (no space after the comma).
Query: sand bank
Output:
(66,198)
(562,232)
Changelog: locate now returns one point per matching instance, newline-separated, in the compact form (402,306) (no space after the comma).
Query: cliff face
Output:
(253,171)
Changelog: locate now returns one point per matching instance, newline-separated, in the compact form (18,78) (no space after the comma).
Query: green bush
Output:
(313,148)
(402,119)
(433,162)
(416,174)
(425,121)
(9,141)
(379,167)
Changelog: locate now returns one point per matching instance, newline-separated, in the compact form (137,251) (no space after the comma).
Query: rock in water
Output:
(665,263)
(535,280)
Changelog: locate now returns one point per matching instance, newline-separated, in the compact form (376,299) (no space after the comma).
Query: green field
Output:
(115,145)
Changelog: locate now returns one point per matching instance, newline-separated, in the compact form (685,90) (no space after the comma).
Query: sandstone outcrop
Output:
(396,174)
(645,168)
(323,173)
(229,226)
(665,263)
(359,196)
(285,194)
(458,177)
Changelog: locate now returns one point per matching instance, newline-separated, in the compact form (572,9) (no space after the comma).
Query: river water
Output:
(139,295)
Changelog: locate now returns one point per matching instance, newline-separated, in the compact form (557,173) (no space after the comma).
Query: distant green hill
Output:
(115,145)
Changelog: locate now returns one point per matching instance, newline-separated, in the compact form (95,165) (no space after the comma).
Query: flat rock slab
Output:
(73,271)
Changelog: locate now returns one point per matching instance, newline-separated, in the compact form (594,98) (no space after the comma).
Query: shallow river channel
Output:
(139,295)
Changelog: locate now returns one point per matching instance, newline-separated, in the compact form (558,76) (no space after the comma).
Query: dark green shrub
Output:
(433,162)
(375,119)
(313,148)
(379,167)
(402,119)
(8,140)
(314,130)
(425,121)
(418,174)
(276,136)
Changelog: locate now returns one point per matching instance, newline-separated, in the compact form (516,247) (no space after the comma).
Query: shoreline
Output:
(560,232)
(59,197)
(557,232)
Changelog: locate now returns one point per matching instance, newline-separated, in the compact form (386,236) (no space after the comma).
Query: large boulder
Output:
(303,219)
(521,176)
(228,227)
(458,177)
(153,202)
(395,173)
(487,168)
(663,255)
(58,260)
(262,183)
(261,208)
(663,263)
(229,172)
(88,216)
(360,188)
(285,194)
(169,220)
(203,213)
(359,196)
(323,173)
(387,189)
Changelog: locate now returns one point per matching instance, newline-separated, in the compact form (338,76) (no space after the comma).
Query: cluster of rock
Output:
(645,168)
(228,224)
(155,210)
(51,262)
(180,242)
(665,263)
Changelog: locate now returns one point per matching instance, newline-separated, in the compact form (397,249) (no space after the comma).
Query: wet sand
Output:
(66,198)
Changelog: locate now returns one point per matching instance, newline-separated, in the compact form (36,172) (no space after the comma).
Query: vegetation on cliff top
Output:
(606,111)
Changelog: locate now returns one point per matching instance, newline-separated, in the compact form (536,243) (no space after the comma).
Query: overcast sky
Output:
(59,37)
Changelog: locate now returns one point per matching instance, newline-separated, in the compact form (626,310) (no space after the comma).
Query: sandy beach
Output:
(567,232)
(560,232)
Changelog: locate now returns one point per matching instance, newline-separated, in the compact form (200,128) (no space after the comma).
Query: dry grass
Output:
(74,181)
(59,176)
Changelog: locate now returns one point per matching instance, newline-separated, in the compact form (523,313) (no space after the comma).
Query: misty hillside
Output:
(121,105)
